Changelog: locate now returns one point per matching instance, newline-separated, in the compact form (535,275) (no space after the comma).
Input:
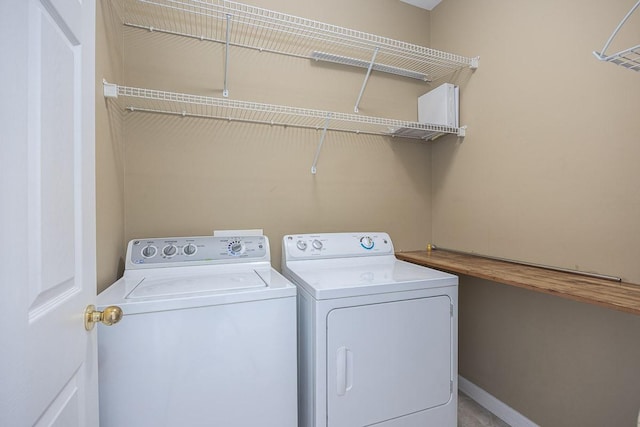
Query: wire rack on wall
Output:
(628,58)
(180,104)
(242,25)
(237,24)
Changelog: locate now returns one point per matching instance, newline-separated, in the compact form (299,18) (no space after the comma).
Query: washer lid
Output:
(348,277)
(147,291)
(185,285)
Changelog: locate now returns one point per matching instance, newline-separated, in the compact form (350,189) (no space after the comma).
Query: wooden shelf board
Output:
(606,293)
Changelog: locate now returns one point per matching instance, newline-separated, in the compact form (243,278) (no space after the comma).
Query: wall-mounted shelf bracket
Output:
(225,91)
(324,134)
(628,58)
(109,90)
(366,78)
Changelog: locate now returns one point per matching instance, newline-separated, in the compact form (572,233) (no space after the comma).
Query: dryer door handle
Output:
(344,370)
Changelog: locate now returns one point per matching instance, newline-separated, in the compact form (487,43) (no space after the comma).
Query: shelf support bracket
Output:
(366,78)
(109,90)
(225,91)
(324,133)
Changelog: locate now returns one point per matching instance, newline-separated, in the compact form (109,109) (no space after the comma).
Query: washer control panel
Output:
(160,252)
(335,245)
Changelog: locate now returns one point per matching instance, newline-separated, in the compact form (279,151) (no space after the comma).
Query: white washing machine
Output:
(377,337)
(208,337)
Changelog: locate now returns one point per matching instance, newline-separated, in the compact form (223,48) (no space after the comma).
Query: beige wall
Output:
(188,176)
(109,148)
(546,174)
(560,363)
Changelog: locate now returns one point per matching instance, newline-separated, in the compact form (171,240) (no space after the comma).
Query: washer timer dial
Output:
(236,247)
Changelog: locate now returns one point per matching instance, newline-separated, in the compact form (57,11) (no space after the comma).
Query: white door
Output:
(388,360)
(47,225)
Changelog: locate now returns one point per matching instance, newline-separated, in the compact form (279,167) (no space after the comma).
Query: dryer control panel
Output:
(335,245)
(197,250)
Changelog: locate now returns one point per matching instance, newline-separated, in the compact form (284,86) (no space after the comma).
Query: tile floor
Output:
(471,414)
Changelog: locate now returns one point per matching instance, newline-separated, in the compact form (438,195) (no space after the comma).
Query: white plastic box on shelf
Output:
(440,106)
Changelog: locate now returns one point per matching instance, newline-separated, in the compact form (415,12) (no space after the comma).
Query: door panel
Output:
(47,183)
(63,410)
(387,360)
(52,139)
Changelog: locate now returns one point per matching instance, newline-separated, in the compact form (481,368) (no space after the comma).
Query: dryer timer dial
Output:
(367,242)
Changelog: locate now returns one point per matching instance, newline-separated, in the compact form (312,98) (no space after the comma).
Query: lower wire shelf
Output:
(157,101)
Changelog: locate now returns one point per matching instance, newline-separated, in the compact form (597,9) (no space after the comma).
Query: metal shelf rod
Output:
(324,133)
(225,91)
(366,78)
(530,264)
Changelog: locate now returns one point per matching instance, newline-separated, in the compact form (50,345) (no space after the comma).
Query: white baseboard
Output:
(497,407)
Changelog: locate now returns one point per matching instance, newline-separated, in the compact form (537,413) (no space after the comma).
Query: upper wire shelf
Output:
(180,104)
(628,58)
(247,26)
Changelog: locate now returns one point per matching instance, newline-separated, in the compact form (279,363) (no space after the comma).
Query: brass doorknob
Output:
(110,316)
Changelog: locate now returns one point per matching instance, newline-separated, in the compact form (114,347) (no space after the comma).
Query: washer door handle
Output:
(344,370)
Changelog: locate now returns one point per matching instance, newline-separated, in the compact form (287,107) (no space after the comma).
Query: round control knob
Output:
(190,249)
(366,242)
(236,247)
(317,244)
(169,250)
(149,251)
(302,245)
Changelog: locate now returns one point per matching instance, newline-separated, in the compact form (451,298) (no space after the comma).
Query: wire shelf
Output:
(157,101)
(266,30)
(628,58)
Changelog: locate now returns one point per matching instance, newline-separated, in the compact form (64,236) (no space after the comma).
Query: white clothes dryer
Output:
(377,337)
(208,337)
